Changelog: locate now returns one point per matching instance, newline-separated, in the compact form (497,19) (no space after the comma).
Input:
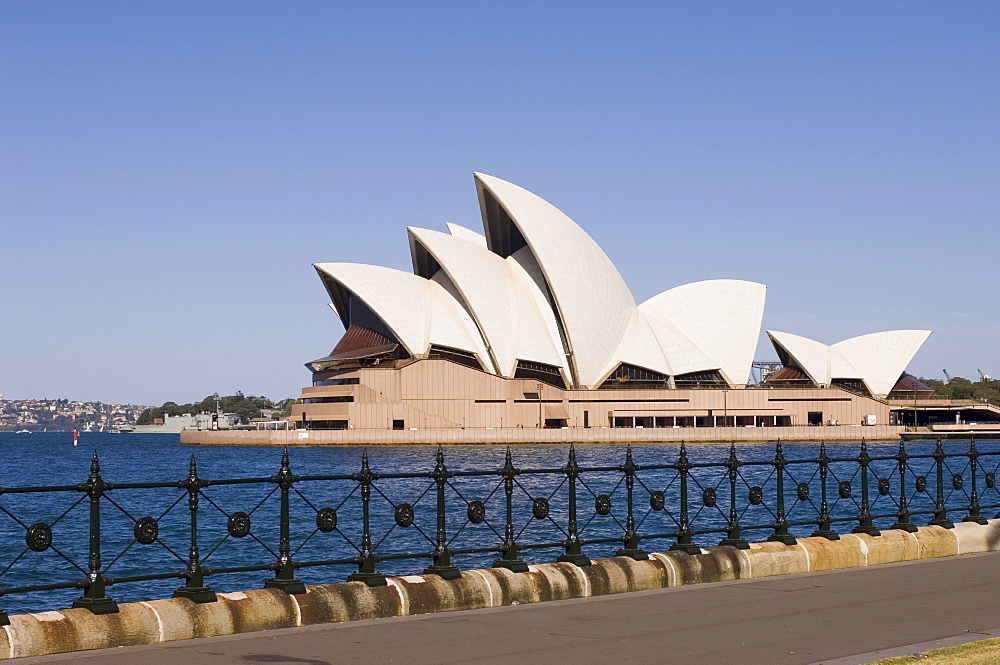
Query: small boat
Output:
(23,431)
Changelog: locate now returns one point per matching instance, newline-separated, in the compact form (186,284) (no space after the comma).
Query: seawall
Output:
(266,609)
(514,436)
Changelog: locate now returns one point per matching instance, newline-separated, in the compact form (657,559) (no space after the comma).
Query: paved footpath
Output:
(827,617)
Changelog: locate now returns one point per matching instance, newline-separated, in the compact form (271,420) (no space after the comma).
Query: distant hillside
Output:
(245,406)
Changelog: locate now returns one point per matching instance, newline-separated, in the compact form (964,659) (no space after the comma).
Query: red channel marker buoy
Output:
(76,435)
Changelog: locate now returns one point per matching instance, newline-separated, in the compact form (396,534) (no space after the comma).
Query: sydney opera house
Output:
(530,325)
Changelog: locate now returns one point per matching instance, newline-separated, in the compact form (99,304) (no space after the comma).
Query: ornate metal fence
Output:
(197,528)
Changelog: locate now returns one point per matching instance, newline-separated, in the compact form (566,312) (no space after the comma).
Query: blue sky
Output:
(169,171)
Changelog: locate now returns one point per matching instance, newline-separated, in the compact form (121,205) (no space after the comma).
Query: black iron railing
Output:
(371,521)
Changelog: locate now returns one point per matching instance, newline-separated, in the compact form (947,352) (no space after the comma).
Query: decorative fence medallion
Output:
(844,489)
(404,515)
(326,519)
(802,491)
(883,486)
(39,536)
(656,500)
(476,512)
(921,484)
(239,524)
(146,530)
(602,504)
(540,508)
(991,480)
(756,495)
(956,481)
(708,497)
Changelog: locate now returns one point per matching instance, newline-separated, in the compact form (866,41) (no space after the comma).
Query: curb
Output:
(170,619)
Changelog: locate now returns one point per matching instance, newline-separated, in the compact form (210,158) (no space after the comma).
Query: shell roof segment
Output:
(499,301)
(878,359)
(418,311)
(466,234)
(591,300)
(721,316)
(882,356)
(812,357)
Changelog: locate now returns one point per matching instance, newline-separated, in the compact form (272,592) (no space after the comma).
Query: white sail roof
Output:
(878,359)
(500,302)
(591,300)
(812,357)
(418,311)
(882,356)
(721,316)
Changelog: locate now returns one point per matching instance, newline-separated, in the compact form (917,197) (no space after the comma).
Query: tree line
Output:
(960,388)
(244,406)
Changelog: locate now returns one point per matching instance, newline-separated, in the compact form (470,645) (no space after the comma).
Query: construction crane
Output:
(947,377)
(984,377)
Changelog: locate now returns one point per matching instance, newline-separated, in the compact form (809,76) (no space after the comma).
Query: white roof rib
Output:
(498,301)
(882,357)
(418,311)
(466,234)
(592,300)
(721,316)
(811,356)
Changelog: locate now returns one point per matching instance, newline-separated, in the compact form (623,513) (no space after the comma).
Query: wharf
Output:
(513,436)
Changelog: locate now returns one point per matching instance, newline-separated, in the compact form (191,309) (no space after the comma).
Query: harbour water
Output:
(50,459)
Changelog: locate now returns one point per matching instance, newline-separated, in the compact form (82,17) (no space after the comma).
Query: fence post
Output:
(194,588)
(903,522)
(780,534)
(823,523)
(733,536)
(366,559)
(630,541)
(865,524)
(94,598)
(940,512)
(284,569)
(441,563)
(508,550)
(684,534)
(974,515)
(573,552)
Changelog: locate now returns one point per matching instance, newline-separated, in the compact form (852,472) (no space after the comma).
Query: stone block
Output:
(768,559)
(936,541)
(626,574)
(79,630)
(974,537)
(260,609)
(823,554)
(564,580)
(716,564)
(430,593)
(347,601)
(892,546)
(183,619)
(517,588)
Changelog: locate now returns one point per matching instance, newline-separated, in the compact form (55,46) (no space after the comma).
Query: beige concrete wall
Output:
(514,436)
(442,394)
(266,609)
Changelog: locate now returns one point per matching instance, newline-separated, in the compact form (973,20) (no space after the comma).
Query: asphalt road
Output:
(810,618)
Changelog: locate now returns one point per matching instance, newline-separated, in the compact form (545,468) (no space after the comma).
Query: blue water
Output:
(50,459)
